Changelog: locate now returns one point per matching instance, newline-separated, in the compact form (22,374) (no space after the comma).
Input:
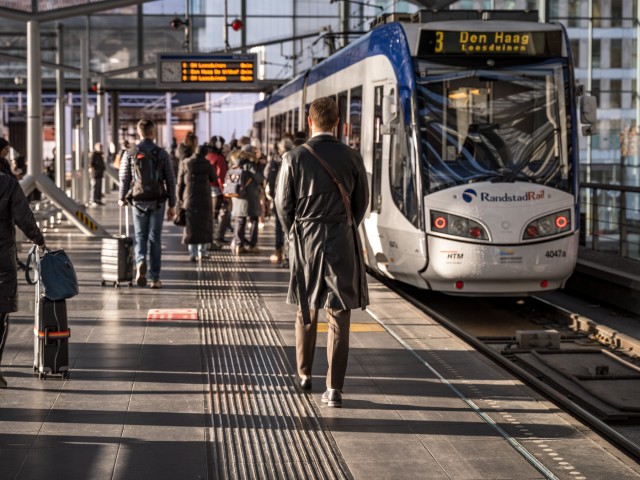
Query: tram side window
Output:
(258,131)
(272,131)
(376,198)
(402,176)
(280,126)
(289,121)
(343,126)
(355,117)
(305,123)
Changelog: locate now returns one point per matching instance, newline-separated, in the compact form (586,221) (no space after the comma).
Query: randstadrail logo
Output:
(469,194)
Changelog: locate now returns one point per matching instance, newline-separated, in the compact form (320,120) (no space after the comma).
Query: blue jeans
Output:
(239,237)
(147,224)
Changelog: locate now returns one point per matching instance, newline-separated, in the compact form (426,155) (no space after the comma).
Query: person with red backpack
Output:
(147,180)
(221,214)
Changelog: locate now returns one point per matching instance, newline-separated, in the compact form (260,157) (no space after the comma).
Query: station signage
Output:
(207,71)
(495,42)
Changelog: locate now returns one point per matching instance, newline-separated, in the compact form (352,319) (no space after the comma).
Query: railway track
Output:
(588,369)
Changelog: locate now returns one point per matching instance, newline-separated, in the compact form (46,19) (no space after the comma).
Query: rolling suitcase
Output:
(117,255)
(51,334)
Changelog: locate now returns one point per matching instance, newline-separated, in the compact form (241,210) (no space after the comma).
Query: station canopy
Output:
(47,10)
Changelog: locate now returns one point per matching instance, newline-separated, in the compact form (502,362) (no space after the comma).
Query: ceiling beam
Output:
(67,12)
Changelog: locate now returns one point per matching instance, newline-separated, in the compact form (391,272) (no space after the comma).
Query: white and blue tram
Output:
(467,125)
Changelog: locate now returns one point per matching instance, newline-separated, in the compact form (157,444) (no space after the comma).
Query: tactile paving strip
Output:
(263,427)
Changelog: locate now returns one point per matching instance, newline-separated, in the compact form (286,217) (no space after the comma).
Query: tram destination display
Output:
(207,71)
(496,43)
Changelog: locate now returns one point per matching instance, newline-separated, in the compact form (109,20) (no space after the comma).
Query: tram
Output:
(467,124)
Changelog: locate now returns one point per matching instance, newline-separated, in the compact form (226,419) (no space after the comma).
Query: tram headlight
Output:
(456,225)
(459,226)
(552,224)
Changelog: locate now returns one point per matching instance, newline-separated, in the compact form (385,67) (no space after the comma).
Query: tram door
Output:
(393,229)
(375,256)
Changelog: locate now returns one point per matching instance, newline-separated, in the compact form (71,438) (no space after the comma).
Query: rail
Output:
(610,218)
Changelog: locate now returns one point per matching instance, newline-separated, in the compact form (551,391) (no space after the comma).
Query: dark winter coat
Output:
(97,165)
(194,195)
(5,167)
(271,173)
(250,206)
(327,265)
(14,210)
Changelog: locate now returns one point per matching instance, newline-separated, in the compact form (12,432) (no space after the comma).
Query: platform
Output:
(152,397)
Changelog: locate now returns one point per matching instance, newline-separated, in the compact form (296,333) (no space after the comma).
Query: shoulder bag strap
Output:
(336,180)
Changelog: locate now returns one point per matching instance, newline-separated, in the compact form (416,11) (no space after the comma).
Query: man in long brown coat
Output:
(327,267)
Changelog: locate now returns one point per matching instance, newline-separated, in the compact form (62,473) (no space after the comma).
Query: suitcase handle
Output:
(126,221)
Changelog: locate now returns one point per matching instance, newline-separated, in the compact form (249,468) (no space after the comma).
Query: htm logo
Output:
(469,194)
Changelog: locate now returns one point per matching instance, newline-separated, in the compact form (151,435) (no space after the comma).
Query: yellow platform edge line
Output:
(355,327)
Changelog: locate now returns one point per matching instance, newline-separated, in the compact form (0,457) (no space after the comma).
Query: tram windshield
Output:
(502,125)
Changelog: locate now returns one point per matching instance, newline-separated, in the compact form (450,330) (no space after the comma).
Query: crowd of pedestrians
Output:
(317,204)
(193,177)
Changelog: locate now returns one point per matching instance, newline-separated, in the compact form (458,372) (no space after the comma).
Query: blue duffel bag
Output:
(56,274)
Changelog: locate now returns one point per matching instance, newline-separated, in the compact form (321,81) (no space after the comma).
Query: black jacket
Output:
(194,195)
(14,210)
(327,264)
(97,165)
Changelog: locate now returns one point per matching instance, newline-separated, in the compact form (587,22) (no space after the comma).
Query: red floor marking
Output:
(172,314)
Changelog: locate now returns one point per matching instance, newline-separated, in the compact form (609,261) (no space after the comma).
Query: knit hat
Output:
(217,141)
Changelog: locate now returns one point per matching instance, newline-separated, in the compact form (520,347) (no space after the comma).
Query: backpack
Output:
(147,183)
(236,183)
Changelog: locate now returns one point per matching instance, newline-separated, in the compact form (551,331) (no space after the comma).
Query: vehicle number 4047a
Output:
(555,254)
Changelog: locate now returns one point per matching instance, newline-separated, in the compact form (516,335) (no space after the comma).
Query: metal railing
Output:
(610,218)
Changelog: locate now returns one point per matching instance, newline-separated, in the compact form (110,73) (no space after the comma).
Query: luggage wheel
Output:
(65,375)
(42,375)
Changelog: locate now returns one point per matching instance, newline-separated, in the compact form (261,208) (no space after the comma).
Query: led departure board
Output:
(526,43)
(207,71)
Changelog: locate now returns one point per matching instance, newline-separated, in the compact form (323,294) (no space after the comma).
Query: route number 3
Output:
(439,42)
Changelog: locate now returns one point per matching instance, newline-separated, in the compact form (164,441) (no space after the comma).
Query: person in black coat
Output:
(325,254)
(5,165)
(271,173)
(195,176)
(14,210)
(96,168)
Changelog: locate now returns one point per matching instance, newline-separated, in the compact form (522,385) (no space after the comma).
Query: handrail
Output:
(615,213)
(608,186)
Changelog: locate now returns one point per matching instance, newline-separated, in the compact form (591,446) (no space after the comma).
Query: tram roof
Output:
(383,40)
